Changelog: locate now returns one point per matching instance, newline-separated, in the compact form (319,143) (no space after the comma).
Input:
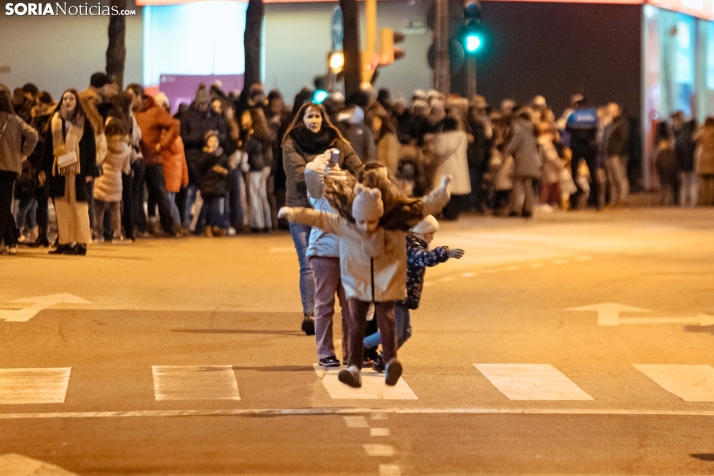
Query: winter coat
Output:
(705,155)
(87,162)
(322,244)
(685,148)
(214,169)
(667,166)
(372,268)
(618,142)
(361,139)
(452,151)
(260,153)
(11,147)
(194,126)
(108,186)
(295,160)
(388,149)
(175,168)
(419,257)
(552,165)
(153,121)
(524,149)
(27,182)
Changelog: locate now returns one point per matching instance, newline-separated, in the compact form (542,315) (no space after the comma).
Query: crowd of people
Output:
(118,166)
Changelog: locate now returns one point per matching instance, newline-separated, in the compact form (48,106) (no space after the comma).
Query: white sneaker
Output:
(98,241)
(12,250)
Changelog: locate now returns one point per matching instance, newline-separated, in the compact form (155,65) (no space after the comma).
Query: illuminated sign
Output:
(698,8)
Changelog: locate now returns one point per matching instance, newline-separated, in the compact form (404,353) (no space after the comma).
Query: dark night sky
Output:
(558,49)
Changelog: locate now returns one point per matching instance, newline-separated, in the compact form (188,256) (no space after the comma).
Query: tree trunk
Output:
(251,40)
(352,69)
(116,51)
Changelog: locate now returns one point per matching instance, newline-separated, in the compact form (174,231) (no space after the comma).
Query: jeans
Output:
(523,195)
(100,208)
(327,284)
(156,184)
(259,206)
(43,216)
(403,326)
(301,235)
(384,313)
(26,213)
(688,189)
(8,233)
(617,176)
(211,214)
(174,208)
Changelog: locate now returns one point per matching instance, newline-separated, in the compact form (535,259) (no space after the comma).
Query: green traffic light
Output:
(473,43)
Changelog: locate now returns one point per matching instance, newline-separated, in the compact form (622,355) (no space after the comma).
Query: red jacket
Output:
(175,167)
(153,121)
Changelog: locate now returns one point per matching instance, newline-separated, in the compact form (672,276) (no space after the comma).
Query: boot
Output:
(218,231)
(40,241)
(207,232)
(62,250)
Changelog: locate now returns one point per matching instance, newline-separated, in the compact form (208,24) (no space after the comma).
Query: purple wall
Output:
(558,49)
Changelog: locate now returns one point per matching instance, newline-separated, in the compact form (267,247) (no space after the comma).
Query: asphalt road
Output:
(187,358)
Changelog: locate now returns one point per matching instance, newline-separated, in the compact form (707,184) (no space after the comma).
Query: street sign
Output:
(338,29)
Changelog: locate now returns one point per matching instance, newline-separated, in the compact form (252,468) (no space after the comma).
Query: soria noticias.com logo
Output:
(63,8)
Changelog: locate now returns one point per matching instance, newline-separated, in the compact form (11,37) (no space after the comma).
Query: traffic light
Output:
(388,52)
(471,33)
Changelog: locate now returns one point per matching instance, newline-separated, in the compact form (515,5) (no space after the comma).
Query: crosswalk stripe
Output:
(33,386)
(373,386)
(691,383)
(389,470)
(210,382)
(379,450)
(379,432)
(356,422)
(532,382)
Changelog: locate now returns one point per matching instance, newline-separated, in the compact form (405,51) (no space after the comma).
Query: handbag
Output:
(67,159)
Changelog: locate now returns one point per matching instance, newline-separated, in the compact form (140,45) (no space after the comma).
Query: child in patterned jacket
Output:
(419,257)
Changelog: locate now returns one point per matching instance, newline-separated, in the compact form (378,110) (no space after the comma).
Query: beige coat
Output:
(373,268)
(452,149)
(108,186)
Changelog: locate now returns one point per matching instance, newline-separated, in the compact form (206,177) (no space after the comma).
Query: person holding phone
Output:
(310,134)
(69,161)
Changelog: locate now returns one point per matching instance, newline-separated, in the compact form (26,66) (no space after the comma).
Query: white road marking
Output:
(700,320)
(389,470)
(33,386)
(379,450)
(373,386)
(379,432)
(196,382)
(608,313)
(379,416)
(532,382)
(17,465)
(468,275)
(38,304)
(356,422)
(352,411)
(691,383)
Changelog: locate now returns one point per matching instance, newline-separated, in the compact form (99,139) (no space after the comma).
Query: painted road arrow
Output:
(39,303)
(18,465)
(608,314)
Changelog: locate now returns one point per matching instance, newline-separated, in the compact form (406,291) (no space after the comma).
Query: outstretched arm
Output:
(328,222)
(437,199)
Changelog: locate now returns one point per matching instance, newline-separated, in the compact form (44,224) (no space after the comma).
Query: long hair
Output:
(92,113)
(259,124)
(79,112)
(6,100)
(298,121)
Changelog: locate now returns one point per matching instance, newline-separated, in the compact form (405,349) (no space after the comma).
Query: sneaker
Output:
(329,362)
(208,232)
(392,372)
(308,324)
(98,241)
(62,250)
(12,249)
(379,365)
(350,376)
(79,249)
(218,231)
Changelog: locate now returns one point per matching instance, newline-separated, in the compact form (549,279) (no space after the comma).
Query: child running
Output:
(372,225)
(419,257)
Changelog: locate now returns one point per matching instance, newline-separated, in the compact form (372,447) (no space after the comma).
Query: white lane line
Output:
(33,386)
(379,432)
(379,450)
(468,275)
(691,383)
(209,382)
(373,386)
(532,382)
(18,465)
(356,422)
(389,470)
(291,412)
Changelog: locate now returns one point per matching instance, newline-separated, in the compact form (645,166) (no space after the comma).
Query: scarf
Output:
(312,143)
(63,146)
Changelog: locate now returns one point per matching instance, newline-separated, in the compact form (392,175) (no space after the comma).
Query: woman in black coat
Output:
(68,163)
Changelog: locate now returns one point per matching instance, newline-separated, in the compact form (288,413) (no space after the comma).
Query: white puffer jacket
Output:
(108,186)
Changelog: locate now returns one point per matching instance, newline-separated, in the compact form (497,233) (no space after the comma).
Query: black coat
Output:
(260,153)
(213,183)
(87,160)
(194,126)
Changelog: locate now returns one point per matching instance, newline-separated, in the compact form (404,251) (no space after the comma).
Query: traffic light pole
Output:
(442,75)
(471,76)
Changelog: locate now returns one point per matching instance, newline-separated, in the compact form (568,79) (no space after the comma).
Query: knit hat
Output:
(427,225)
(367,205)
(98,80)
(202,95)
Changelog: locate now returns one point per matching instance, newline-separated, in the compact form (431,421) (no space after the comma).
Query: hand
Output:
(88,179)
(455,253)
(446,181)
(287,213)
(23,158)
(157,148)
(41,177)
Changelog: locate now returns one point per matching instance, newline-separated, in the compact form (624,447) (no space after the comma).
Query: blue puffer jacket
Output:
(419,257)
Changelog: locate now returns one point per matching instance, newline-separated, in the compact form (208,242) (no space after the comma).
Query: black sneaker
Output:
(329,362)
(62,250)
(79,249)
(308,324)
(392,372)
(379,365)
(369,356)
(350,376)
